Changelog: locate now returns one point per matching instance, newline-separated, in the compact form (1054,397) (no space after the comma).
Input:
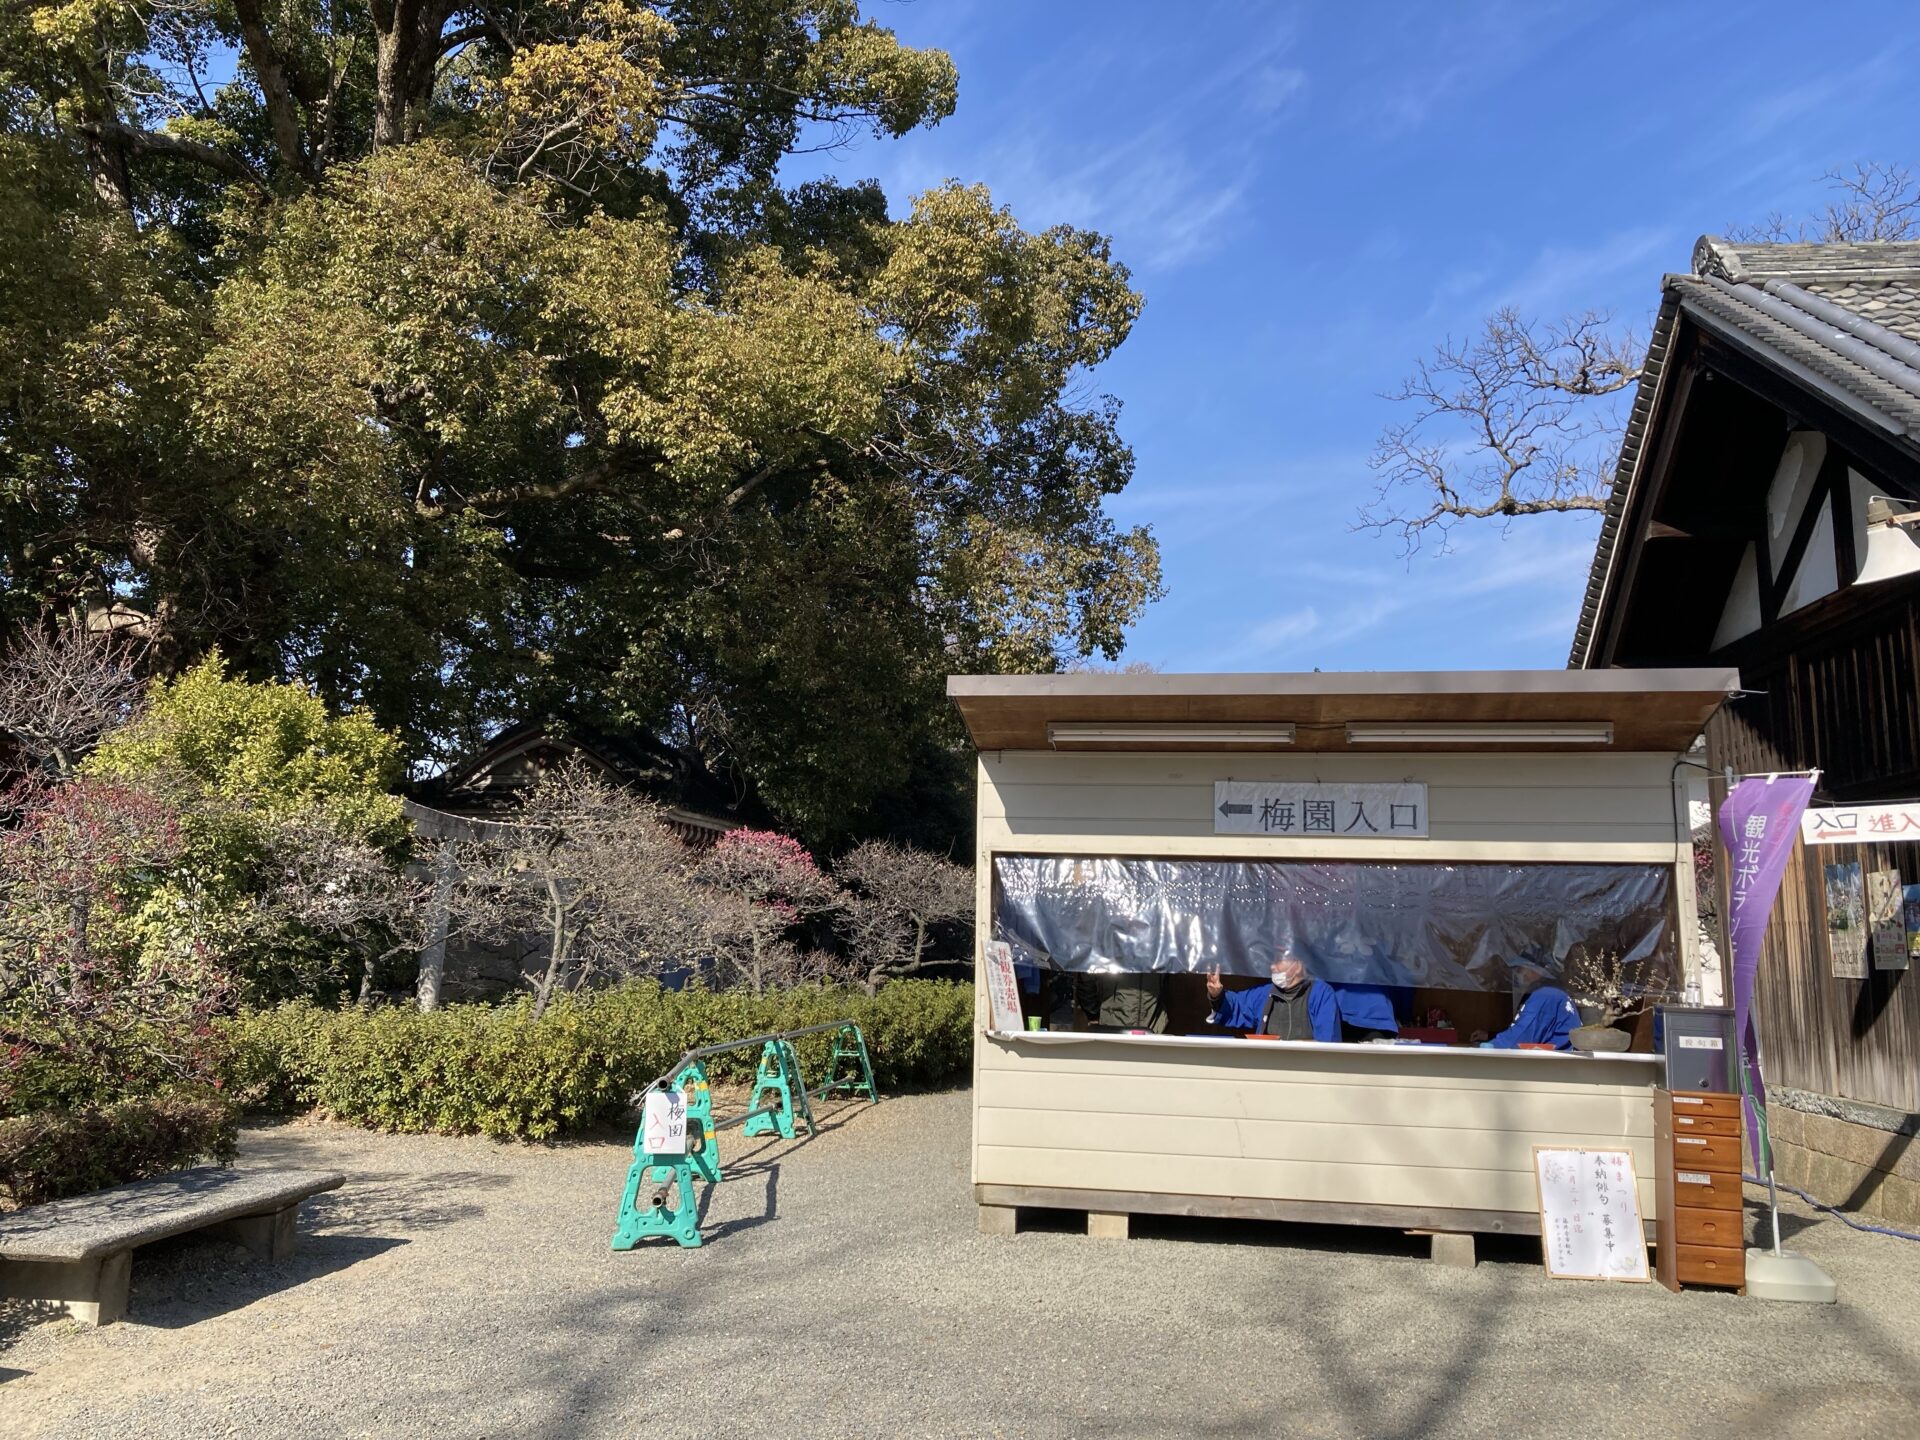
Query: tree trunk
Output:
(754,978)
(433,959)
(270,74)
(394,60)
(556,951)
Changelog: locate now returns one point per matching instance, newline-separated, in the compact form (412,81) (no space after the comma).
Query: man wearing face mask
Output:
(1290,1006)
(1547,1015)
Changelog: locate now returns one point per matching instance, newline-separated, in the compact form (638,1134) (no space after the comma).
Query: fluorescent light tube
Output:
(1413,732)
(1111,732)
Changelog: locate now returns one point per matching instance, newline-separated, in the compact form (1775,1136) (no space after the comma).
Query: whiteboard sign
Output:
(663,1123)
(1003,988)
(1699,1042)
(1345,812)
(1590,1225)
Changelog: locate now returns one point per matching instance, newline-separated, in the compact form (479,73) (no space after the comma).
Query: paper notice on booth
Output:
(1003,988)
(1590,1226)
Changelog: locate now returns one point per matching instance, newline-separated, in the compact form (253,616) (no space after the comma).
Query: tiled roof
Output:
(1842,320)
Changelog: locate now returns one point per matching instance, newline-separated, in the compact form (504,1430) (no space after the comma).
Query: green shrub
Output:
(495,1070)
(54,1153)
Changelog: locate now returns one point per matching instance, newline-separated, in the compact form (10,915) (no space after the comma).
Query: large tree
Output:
(475,362)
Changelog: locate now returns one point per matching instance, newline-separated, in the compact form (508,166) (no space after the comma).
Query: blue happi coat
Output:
(1546,1017)
(1366,1007)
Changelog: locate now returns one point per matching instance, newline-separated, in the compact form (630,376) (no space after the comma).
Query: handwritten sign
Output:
(1590,1226)
(1363,812)
(1851,824)
(1003,988)
(663,1123)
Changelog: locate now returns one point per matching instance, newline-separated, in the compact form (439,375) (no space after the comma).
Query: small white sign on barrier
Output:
(663,1123)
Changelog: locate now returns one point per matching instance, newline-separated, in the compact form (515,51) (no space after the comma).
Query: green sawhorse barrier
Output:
(658,1198)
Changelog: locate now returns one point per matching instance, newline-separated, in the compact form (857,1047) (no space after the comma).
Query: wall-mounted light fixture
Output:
(1116,732)
(1414,732)
(1891,547)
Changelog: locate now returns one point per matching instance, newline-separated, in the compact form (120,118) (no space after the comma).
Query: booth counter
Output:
(1416,1136)
(1105,847)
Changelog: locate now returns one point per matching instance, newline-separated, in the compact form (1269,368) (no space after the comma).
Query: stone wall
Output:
(1864,1159)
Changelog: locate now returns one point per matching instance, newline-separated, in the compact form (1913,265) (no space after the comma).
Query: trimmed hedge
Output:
(51,1154)
(494,1070)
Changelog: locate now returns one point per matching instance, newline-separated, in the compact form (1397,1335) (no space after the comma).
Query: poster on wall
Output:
(1912,916)
(1884,901)
(1003,989)
(1846,921)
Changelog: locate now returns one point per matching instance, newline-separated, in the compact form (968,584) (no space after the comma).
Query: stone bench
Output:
(79,1251)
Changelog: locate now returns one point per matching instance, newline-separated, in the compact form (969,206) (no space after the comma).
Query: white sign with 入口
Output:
(663,1123)
(1590,1226)
(1854,824)
(1336,811)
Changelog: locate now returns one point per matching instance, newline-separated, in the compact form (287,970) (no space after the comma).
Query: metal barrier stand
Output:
(658,1197)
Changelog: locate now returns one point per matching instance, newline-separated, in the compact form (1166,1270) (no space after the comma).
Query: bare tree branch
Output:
(1508,423)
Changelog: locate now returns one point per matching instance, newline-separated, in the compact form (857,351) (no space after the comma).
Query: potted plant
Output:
(1598,983)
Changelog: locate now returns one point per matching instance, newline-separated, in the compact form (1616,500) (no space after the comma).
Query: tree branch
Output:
(153,142)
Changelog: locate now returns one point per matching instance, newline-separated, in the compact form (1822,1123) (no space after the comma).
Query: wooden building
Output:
(1535,775)
(491,783)
(1761,518)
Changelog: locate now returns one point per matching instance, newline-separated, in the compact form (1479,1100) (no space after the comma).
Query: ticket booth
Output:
(1436,839)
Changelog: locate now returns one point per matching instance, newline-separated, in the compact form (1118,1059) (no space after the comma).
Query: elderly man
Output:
(1291,1005)
(1547,1015)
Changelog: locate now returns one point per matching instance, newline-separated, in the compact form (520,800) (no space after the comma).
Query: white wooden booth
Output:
(1518,767)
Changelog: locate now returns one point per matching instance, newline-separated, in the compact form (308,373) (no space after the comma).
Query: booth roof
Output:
(1647,710)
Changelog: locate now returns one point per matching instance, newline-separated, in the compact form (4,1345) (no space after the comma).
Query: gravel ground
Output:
(461,1288)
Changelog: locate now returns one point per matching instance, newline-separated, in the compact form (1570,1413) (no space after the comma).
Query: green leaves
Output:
(501,377)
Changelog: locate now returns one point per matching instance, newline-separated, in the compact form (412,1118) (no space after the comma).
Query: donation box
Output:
(1697,1041)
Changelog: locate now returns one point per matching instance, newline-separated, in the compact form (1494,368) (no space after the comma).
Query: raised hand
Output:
(1214,988)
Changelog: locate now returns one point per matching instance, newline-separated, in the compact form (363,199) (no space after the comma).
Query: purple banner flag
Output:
(1759,821)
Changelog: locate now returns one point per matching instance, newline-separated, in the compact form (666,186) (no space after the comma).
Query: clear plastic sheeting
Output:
(1456,927)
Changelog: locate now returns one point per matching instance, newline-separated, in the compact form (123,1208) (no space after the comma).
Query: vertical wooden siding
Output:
(1847,702)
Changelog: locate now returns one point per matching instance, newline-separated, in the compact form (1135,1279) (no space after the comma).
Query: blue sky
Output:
(1311,196)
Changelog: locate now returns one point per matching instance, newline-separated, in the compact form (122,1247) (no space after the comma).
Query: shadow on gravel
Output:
(1299,1235)
(401,1200)
(739,1174)
(188,1278)
(16,1318)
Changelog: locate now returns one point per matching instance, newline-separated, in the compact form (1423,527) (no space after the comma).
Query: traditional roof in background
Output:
(493,781)
(1843,321)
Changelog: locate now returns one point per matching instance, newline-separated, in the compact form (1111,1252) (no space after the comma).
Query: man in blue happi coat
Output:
(1547,1014)
(1292,1006)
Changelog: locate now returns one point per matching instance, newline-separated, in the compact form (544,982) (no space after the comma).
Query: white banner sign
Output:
(1003,989)
(1367,812)
(1856,824)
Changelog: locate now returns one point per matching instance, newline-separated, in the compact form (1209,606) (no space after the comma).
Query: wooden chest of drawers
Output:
(1699,1222)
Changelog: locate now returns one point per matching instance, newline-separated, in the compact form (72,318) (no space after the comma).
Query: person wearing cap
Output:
(1547,1015)
(1290,1006)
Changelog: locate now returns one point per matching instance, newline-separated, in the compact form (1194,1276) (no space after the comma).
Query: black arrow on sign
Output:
(1227,807)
